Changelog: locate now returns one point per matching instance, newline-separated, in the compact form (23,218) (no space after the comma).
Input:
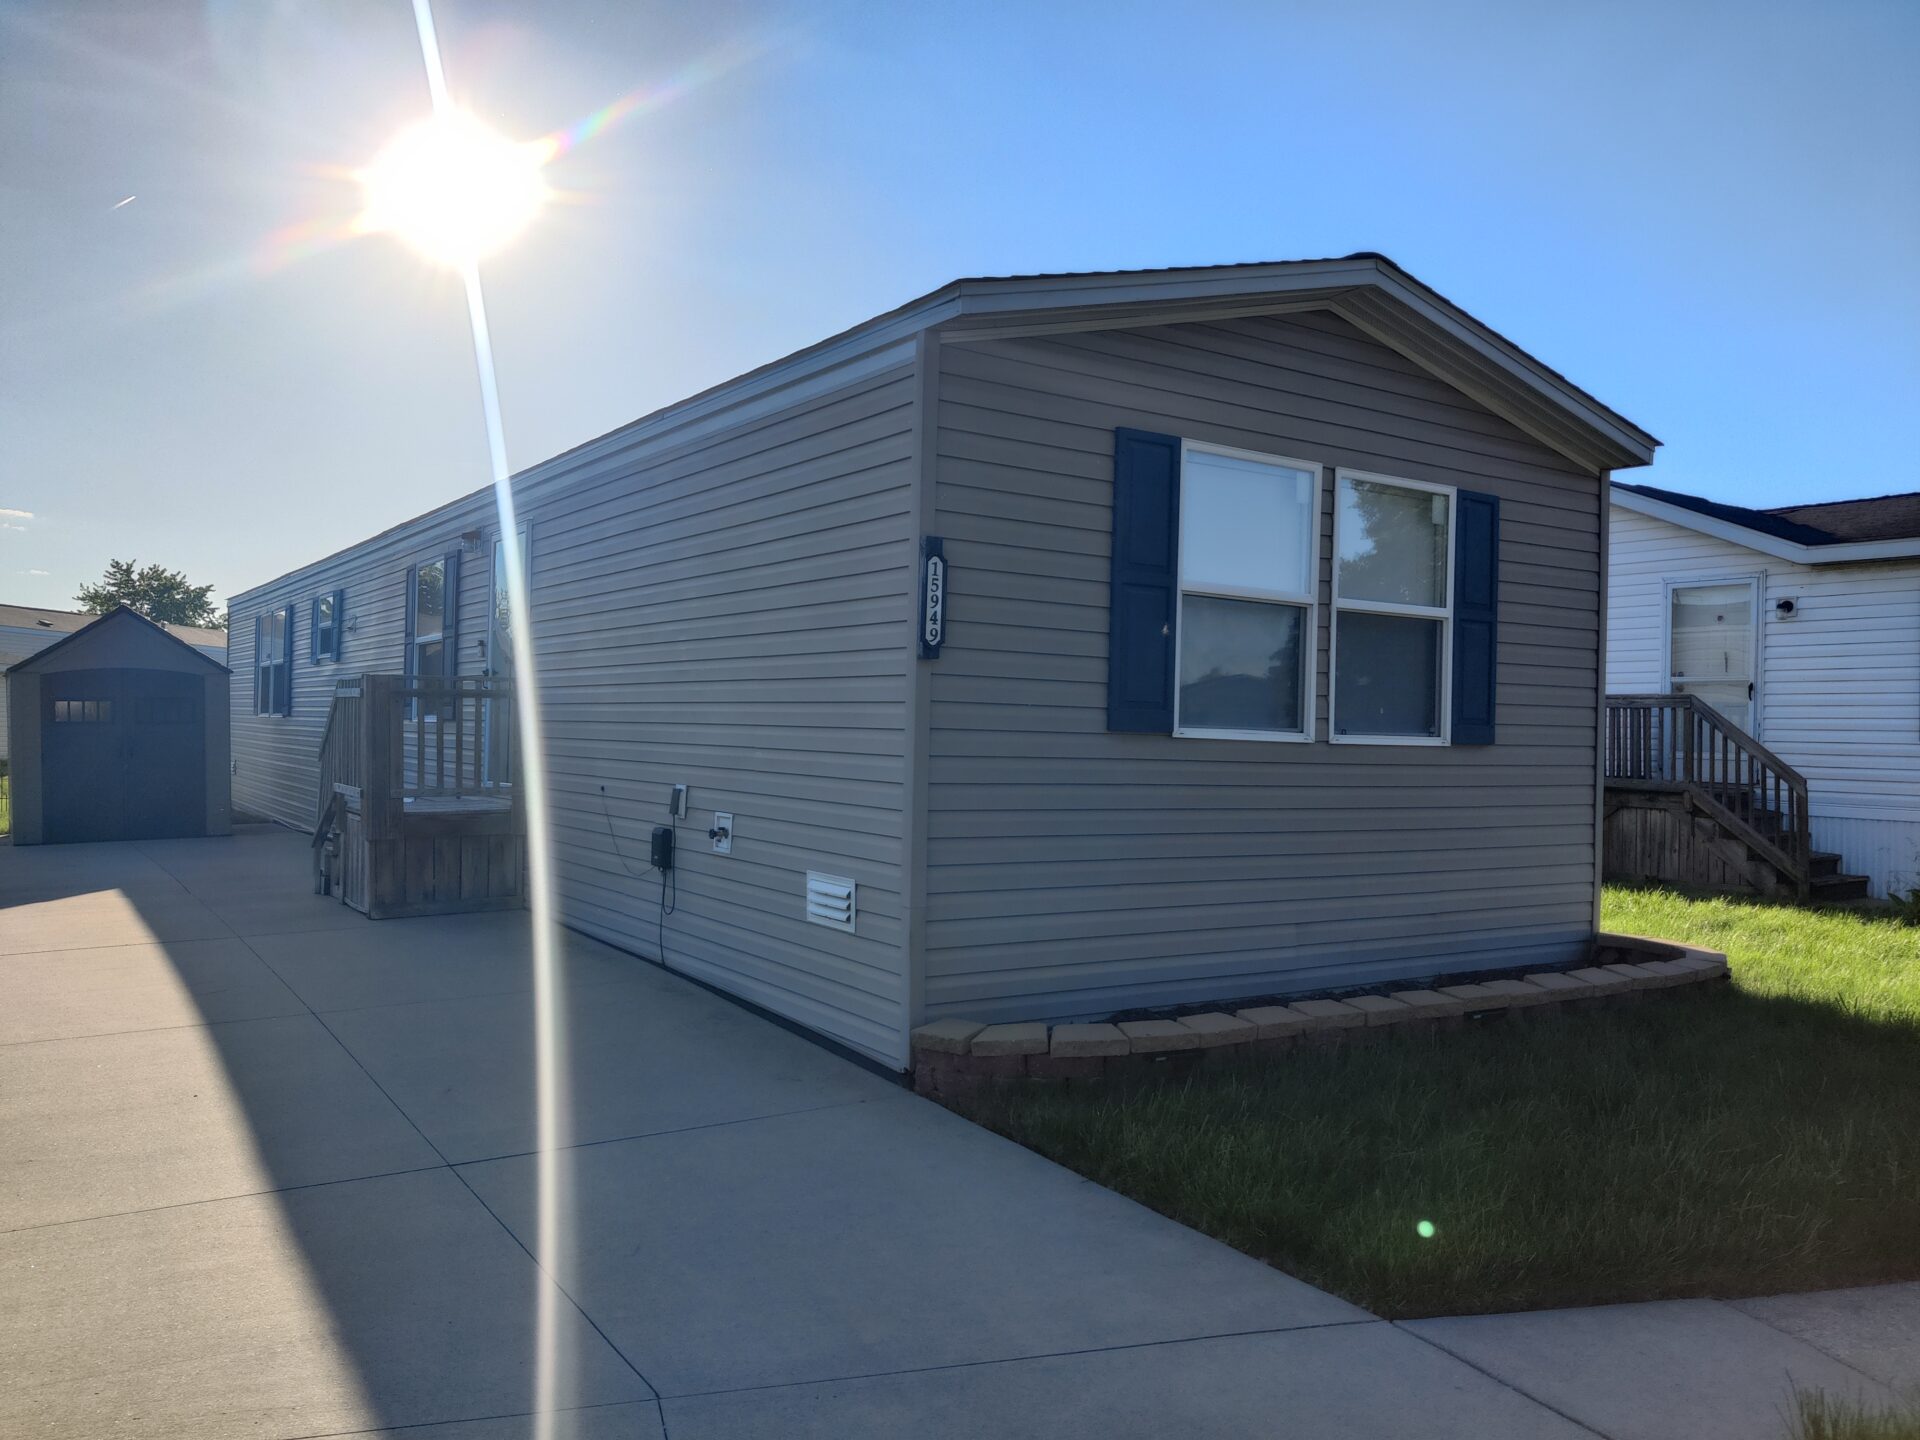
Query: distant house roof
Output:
(1882,527)
(65,622)
(120,616)
(1883,517)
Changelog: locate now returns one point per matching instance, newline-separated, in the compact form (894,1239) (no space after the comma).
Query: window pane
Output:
(429,602)
(1393,544)
(1245,523)
(427,658)
(323,611)
(1240,664)
(1386,674)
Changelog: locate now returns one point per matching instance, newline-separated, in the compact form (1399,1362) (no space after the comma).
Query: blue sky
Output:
(1708,215)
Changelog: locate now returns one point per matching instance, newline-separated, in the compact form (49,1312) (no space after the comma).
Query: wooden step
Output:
(1829,888)
(1823,863)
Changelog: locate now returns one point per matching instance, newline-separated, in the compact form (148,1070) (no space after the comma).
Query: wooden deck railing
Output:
(395,740)
(342,746)
(1679,742)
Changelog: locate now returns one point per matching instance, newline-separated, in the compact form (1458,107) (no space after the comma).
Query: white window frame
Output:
(1444,614)
(1309,600)
(1755,578)
(415,710)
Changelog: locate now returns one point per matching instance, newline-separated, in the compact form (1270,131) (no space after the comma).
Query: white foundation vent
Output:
(830,901)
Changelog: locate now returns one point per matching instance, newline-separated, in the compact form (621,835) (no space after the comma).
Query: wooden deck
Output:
(417,812)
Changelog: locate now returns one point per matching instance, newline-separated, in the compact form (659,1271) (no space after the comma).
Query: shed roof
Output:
(114,618)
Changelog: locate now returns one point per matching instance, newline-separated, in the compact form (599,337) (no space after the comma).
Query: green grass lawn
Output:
(1738,1139)
(6,805)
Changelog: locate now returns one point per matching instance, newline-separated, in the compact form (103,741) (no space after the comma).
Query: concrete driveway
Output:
(268,1174)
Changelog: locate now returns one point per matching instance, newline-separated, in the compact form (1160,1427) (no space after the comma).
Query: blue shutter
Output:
(450,615)
(413,589)
(1476,615)
(1146,538)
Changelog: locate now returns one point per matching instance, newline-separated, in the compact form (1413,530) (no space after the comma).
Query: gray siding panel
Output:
(1075,872)
(729,611)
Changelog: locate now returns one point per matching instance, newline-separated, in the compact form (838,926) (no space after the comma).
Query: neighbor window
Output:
(1393,611)
(1248,561)
(327,617)
(273,663)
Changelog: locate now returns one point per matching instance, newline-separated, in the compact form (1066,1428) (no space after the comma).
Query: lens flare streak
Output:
(552,1231)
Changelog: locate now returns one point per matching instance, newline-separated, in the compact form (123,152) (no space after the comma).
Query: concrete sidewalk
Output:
(268,1174)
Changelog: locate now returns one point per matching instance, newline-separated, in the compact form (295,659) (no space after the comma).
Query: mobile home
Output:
(1048,646)
(1802,626)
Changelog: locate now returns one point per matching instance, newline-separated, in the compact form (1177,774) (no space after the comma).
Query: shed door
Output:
(123,755)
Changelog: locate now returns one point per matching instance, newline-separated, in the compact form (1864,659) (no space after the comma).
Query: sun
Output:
(453,189)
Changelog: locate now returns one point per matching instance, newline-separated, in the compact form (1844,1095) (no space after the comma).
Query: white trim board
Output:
(1845,553)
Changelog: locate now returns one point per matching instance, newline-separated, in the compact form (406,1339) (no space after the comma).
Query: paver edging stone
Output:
(954,1057)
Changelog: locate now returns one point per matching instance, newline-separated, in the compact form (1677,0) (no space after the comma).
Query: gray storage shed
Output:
(120,732)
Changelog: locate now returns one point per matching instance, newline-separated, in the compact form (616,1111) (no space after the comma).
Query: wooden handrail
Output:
(342,747)
(1680,742)
(396,738)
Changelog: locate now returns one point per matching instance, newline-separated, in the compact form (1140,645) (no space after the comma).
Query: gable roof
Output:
(1366,288)
(65,622)
(120,616)
(1830,532)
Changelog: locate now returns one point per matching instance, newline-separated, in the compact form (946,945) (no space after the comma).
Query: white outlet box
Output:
(722,836)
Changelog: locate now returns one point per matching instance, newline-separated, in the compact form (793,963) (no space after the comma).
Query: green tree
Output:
(155,592)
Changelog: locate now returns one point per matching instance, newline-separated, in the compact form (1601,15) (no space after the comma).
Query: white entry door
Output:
(1711,646)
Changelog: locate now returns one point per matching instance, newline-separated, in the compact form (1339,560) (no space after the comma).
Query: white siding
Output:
(1839,684)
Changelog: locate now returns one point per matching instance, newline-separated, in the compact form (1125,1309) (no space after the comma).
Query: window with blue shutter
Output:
(1476,619)
(1145,579)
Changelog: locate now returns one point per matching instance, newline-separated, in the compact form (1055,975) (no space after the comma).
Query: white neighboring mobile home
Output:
(1269,658)
(1802,626)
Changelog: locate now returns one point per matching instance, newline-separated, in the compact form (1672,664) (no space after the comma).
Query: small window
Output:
(1393,610)
(83,712)
(273,662)
(432,591)
(327,619)
(1248,560)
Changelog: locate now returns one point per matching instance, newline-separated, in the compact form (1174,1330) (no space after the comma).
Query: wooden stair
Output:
(1829,885)
(1694,800)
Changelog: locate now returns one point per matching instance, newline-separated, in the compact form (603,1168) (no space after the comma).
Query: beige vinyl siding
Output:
(1838,689)
(276,771)
(733,615)
(724,604)
(1072,871)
